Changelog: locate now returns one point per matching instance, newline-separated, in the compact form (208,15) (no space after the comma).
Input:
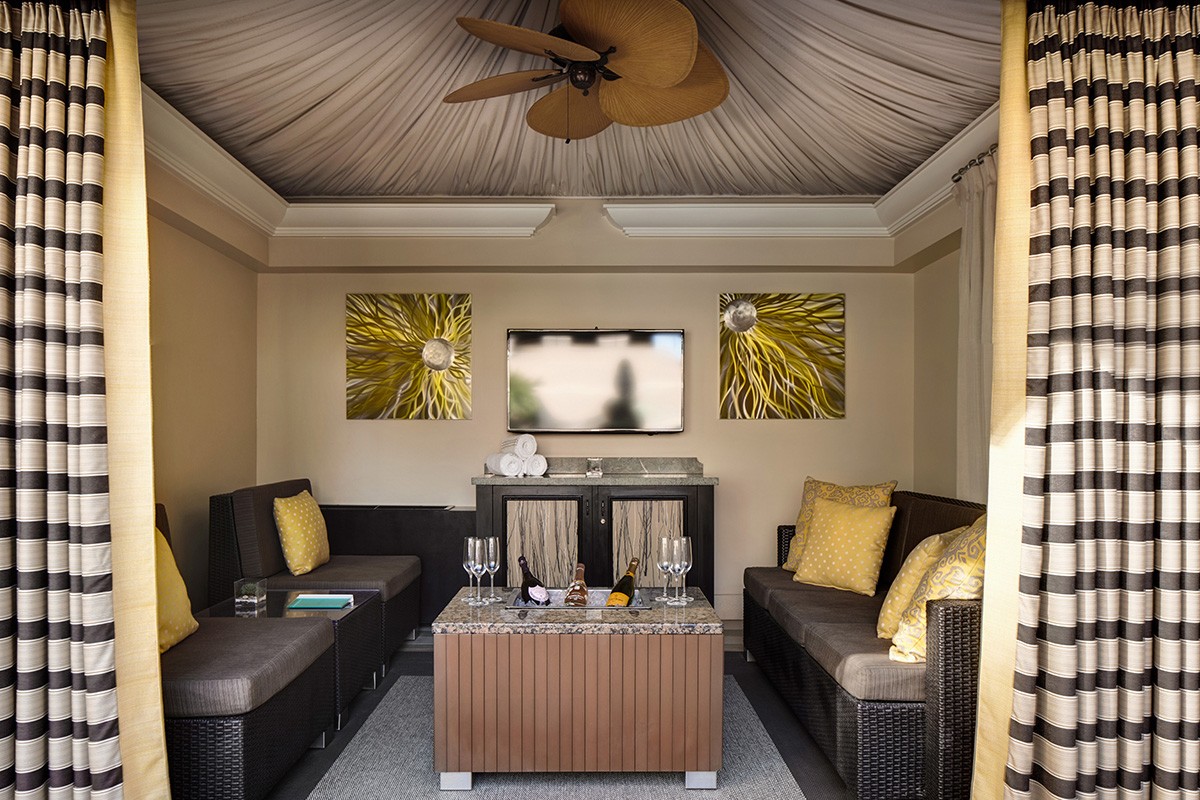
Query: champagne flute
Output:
(686,557)
(478,568)
(468,558)
(664,566)
(492,564)
(677,562)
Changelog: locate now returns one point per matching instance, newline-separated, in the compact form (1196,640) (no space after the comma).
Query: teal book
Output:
(322,601)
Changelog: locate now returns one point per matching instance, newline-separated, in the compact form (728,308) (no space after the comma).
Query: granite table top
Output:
(697,617)
(618,471)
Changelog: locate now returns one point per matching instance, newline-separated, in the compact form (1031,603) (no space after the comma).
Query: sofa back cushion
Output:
(254,525)
(918,516)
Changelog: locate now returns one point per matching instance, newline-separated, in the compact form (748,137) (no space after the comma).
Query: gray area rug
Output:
(391,758)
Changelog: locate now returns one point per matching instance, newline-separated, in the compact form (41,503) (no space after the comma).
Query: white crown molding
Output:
(928,186)
(401,219)
(782,219)
(186,151)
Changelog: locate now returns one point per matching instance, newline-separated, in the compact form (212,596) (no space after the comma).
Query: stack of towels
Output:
(518,458)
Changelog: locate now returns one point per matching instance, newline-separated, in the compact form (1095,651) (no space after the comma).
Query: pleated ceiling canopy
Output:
(343,98)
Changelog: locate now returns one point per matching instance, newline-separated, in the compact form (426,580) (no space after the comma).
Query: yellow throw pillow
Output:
(914,568)
(956,575)
(877,496)
(302,532)
(175,620)
(845,546)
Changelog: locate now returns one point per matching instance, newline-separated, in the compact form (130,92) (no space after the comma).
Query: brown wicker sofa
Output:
(892,731)
(243,700)
(243,542)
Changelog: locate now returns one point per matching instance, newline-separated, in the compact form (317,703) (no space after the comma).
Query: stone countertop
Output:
(617,471)
(605,480)
(697,617)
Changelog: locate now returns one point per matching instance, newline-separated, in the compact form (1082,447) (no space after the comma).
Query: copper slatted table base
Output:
(577,702)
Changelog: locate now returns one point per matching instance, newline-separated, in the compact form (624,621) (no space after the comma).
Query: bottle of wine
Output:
(532,590)
(577,594)
(622,593)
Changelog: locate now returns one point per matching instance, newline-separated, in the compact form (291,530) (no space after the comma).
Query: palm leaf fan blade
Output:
(705,88)
(525,40)
(655,40)
(508,83)
(568,113)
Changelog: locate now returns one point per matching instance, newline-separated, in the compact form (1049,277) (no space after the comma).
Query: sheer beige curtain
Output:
(975,192)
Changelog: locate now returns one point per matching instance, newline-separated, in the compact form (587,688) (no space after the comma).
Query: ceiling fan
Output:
(636,62)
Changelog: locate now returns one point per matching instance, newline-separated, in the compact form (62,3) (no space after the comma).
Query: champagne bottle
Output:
(622,593)
(533,592)
(577,593)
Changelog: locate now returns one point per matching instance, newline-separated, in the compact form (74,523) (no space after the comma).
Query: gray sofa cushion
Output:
(760,582)
(390,575)
(858,661)
(796,610)
(231,666)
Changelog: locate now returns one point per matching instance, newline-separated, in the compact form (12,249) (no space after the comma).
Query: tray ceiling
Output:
(342,98)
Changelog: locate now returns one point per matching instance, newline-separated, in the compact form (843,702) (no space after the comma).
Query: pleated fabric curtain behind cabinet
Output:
(58,707)
(1107,683)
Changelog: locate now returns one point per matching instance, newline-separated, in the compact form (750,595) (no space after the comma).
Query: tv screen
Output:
(617,381)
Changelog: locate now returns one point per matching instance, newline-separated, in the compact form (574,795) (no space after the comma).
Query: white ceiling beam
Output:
(400,219)
(807,218)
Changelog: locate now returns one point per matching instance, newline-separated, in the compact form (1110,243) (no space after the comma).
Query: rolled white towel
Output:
(523,445)
(535,465)
(506,464)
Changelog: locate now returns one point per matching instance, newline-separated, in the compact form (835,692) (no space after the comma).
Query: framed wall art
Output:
(782,356)
(408,356)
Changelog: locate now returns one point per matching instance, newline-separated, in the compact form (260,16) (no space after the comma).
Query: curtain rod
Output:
(974,162)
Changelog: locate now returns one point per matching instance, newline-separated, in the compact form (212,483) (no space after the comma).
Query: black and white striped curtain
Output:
(58,707)
(1107,684)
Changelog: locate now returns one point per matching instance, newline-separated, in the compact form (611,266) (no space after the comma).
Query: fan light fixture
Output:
(636,62)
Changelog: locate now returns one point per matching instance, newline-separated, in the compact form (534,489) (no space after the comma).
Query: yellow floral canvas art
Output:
(783,356)
(408,356)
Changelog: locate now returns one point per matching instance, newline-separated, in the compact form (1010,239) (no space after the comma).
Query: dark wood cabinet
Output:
(589,515)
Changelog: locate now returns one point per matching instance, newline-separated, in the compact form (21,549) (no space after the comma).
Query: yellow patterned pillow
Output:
(956,575)
(175,620)
(877,496)
(302,532)
(845,546)
(914,568)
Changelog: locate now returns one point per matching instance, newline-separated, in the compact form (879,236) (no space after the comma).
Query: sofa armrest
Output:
(951,690)
(786,532)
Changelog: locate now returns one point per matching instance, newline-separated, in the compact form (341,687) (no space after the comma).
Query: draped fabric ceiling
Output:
(342,98)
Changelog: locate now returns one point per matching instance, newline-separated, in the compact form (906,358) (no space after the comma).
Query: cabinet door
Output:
(544,524)
(631,522)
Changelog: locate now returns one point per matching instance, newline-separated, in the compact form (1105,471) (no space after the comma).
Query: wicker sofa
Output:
(244,543)
(891,730)
(243,700)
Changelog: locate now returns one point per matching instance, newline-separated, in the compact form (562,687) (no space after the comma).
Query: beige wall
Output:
(935,390)
(203,365)
(303,430)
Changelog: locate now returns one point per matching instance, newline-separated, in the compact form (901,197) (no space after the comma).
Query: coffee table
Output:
(358,650)
(578,690)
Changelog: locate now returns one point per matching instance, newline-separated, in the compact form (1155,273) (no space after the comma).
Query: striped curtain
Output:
(58,707)
(1107,682)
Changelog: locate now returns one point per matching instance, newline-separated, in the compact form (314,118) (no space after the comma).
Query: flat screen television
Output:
(583,381)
